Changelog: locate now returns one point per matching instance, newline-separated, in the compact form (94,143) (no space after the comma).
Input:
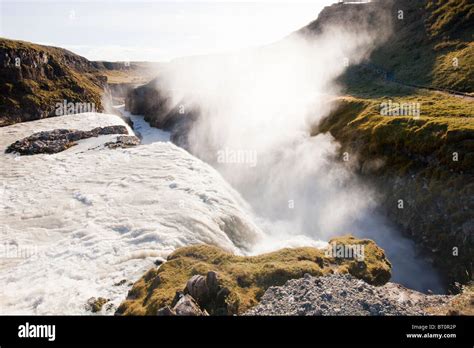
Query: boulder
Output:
(202,288)
(187,306)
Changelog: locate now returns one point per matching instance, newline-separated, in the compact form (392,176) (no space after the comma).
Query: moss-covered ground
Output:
(247,277)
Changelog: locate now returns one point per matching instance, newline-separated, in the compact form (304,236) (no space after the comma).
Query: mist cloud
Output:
(265,101)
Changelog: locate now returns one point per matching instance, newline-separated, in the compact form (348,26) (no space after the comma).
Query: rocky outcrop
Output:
(226,284)
(200,292)
(206,289)
(35,80)
(436,211)
(156,105)
(58,140)
(343,294)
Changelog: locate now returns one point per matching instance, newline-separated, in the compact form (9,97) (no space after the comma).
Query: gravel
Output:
(342,294)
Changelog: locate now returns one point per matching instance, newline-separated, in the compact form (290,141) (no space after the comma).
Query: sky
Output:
(153,30)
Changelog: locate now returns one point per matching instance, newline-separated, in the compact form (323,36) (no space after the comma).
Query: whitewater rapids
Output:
(75,223)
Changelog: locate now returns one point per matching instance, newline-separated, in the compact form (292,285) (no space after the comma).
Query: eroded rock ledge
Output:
(58,140)
(221,283)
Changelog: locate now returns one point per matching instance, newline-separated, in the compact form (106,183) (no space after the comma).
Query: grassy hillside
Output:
(33,78)
(426,160)
(426,42)
(432,45)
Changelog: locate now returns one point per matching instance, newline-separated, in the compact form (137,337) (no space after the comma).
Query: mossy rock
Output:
(247,277)
(95,304)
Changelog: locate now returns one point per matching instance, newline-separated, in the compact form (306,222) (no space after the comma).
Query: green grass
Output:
(445,125)
(431,46)
(450,17)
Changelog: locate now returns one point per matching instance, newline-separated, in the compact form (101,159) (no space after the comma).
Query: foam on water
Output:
(75,223)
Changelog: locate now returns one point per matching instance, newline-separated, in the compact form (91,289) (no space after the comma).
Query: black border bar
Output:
(165,331)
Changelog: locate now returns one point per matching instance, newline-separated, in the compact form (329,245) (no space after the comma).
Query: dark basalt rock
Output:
(58,140)
(203,288)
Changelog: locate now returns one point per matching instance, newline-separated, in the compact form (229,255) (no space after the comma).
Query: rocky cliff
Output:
(36,80)
(158,108)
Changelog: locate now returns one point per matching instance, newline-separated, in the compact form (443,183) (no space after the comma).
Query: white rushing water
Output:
(75,223)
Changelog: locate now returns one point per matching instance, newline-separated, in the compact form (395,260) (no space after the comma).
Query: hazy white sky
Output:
(153,30)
